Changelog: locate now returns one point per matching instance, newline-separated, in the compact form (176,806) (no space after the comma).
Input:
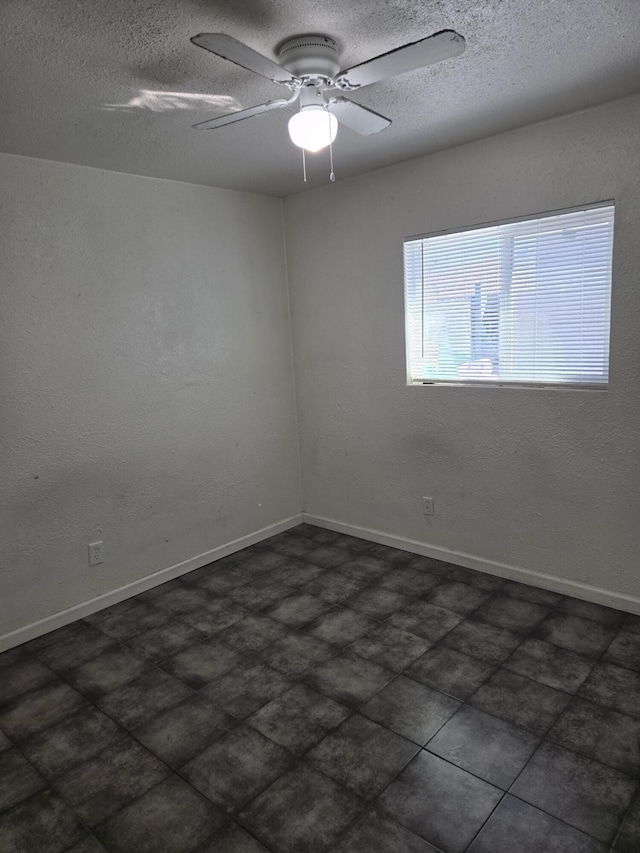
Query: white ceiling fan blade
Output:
(418,54)
(358,118)
(235,51)
(231,118)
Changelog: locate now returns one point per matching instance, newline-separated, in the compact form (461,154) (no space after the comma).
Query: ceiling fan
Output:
(310,68)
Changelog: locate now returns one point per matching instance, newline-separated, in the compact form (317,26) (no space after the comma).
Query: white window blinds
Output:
(523,303)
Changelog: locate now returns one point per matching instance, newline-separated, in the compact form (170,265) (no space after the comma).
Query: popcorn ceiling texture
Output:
(63,62)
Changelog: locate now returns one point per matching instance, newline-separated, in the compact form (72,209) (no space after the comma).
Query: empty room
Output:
(320,426)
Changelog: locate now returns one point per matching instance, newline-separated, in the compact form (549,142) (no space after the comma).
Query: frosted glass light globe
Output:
(313,128)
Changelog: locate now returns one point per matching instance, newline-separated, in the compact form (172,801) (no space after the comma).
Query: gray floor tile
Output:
(246,688)
(127,619)
(109,670)
(298,718)
(460,597)
(587,610)
(297,609)
(43,823)
(178,735)
(376,832)
(362,756)
(38,709)
(484,641)
(515,615)
(295,546)
(450,671)
(531,593)
(390,647)
(101,786)
(517,826)
(333,587)
(161,643)
(252,633)
(88,844)
(18,779)
(349,679)
(575,789)
(600,733)
(628,839)
(139,701)
(234,839)
(490,748)
(25,674)
(365,568)
(295,572)
(216,616)
(71,741)
(426,620)
(578,635)
(201,577)
(182,600)
(202,663)
(550,665)
(625,650)
(261,560)
(410,709)
(632,623)
(340,626)
(377,602)
(408,581)
(445,628)
(172,818)
(298,653)
(303,812)
(327,556)
(258,595)
(518,700)
(459,803)
(609,685)
(224,578)
(233,770)
(66,654)
(14,655)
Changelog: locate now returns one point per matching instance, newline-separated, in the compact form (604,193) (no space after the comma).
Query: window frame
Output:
(502,383)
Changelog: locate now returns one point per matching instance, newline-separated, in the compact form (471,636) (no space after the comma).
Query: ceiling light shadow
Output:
(160,102)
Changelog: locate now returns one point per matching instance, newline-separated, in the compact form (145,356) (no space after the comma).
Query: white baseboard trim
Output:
(78,611)
(628,603)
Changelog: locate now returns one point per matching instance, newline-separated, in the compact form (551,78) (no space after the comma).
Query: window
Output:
(518,303)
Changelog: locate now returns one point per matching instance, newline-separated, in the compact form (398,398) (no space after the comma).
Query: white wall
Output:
(146,387)
(541,480)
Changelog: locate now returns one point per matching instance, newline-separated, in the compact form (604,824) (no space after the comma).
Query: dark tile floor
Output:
(321,693)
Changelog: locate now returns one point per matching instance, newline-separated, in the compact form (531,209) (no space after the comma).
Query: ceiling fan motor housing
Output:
(311,57)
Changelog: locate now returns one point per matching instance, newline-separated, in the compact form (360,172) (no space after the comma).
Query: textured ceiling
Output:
(118,85)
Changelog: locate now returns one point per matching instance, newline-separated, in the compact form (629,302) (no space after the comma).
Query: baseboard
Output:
(595,594)
(78,611)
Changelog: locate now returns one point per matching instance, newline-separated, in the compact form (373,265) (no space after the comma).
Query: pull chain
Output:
(332,176)
(304,166)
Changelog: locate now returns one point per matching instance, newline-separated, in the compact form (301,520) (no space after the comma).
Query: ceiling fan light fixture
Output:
(313,128)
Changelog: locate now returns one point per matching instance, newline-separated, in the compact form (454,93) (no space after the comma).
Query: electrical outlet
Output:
(427,506)
(96,553)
